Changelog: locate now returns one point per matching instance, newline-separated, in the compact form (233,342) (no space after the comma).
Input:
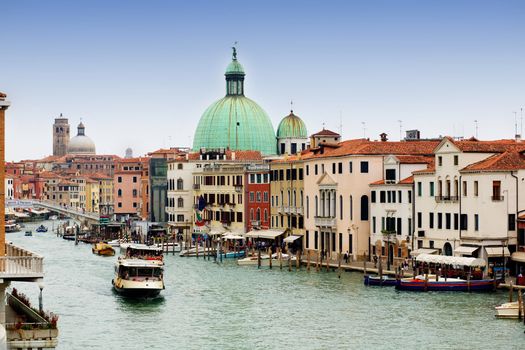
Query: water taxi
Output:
(103,249)
(371,280)
(441,281)
(138,277)
(265,259)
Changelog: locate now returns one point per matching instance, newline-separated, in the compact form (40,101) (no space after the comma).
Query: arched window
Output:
(251,214)
(180,202)
(341,207)
(179,166)
(119,192)
(179,184)
(364,208)
(302,200)
(294,198)
(265,215)
(351,208)
(316,207)
(258,214)
(447,249)
(307,207)
(289,202)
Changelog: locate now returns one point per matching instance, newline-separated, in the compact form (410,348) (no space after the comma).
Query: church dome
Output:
(81,144)
(292,126)
(235,121)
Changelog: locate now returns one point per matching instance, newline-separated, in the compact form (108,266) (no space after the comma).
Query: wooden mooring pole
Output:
(298,260)
(270,254)
(308,260)
(338,265)
(280,258)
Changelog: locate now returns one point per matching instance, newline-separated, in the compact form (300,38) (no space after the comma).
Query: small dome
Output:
(81,144)
(234,68)
(292,126)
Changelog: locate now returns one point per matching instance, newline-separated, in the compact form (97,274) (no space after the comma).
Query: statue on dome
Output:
(234,55)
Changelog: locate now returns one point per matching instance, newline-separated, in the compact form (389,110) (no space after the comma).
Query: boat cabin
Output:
(139,270)
(142,251)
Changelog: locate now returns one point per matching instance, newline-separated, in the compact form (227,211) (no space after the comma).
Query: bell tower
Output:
(60,136)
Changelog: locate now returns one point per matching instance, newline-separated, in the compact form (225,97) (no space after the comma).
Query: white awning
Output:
(423,251)
(518,256)
(291,238)
(232,236)
(497,251)
(214,233)
(465,250)
(268,234)
(450,260)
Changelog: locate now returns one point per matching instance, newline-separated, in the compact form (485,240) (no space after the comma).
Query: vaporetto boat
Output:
(138,277)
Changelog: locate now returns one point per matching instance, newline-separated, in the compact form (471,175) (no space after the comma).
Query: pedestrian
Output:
(346,257)
(375,260)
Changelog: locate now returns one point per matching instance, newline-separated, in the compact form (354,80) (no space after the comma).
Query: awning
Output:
(497,251)
(465,250)
(268,234)
(232,236)
(213,233)
(450,260)
(291,238)
(518,256)
(423,251)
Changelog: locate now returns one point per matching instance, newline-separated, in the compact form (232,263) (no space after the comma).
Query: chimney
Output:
(518,138)
(384,137)
(233,155)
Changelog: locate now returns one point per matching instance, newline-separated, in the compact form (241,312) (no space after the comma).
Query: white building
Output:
(337,191)
(9,187)
(467,205)
(391,207)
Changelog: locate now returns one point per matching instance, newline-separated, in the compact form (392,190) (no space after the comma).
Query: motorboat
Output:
(507,310)
(193,251)
(41,228)
(102,248)
(371,280)
(11,226)
(232,254)
(265,259)
(138,277)
(53,217)
(28,234)
(434,283)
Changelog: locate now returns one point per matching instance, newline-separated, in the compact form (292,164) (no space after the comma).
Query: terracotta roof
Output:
(366,147)
(100,176)
(506,161)
(409,159)
(326,132)
(494,146)
(132,160)
(407,181)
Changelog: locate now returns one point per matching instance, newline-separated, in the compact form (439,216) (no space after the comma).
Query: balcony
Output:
(280,209)
(440,199)
(20,264)
(238,188)
(196,186)
(255,223)
(497,198)
(322,221)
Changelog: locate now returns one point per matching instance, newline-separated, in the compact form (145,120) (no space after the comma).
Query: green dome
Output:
(292,126)
(234,68)
(237,123)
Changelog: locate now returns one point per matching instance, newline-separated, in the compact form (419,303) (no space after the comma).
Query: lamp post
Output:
(40,299)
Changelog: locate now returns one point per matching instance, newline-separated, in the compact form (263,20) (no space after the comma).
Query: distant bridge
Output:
(77,214)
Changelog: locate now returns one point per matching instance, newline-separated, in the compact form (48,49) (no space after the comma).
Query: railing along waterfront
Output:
(19,262)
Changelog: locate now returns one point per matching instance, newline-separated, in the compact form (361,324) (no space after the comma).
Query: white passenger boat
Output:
(11,226)
(141,251)
(170,247)
(138,277)
(265,259)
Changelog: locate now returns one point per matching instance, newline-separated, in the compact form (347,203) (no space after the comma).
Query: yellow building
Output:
(92,196)
(105,186)
(287,195)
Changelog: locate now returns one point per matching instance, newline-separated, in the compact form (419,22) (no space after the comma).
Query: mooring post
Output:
(338,265)
(308,260)
(270,254)
(280,258)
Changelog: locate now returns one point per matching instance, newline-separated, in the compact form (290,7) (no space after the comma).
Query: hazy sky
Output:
(140,73)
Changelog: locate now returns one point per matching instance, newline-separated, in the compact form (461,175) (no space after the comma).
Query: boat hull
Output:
(138,289)
(507,310)
(105,252)
(454,286)
(376,281)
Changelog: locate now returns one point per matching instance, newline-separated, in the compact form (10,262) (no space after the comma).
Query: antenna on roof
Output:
(400,129)
(476,128)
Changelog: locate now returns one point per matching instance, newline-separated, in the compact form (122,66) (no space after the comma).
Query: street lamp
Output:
(40,299)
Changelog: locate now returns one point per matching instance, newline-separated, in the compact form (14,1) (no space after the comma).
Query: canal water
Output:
(207,305)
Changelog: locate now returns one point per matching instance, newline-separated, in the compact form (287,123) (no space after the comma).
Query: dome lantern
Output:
(81,144)
(234,76)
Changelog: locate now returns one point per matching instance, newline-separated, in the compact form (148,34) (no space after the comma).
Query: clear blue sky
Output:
(140,73)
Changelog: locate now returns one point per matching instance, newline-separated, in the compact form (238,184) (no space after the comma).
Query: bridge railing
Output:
(56,206)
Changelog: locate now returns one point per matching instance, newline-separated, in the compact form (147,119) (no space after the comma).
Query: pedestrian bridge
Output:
(75,213)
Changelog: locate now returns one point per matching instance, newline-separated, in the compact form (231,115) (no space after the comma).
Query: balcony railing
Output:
(238,188)
(497,198)
(196,186)
(446,198)
(20,264)
(325,221)
(255,223)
